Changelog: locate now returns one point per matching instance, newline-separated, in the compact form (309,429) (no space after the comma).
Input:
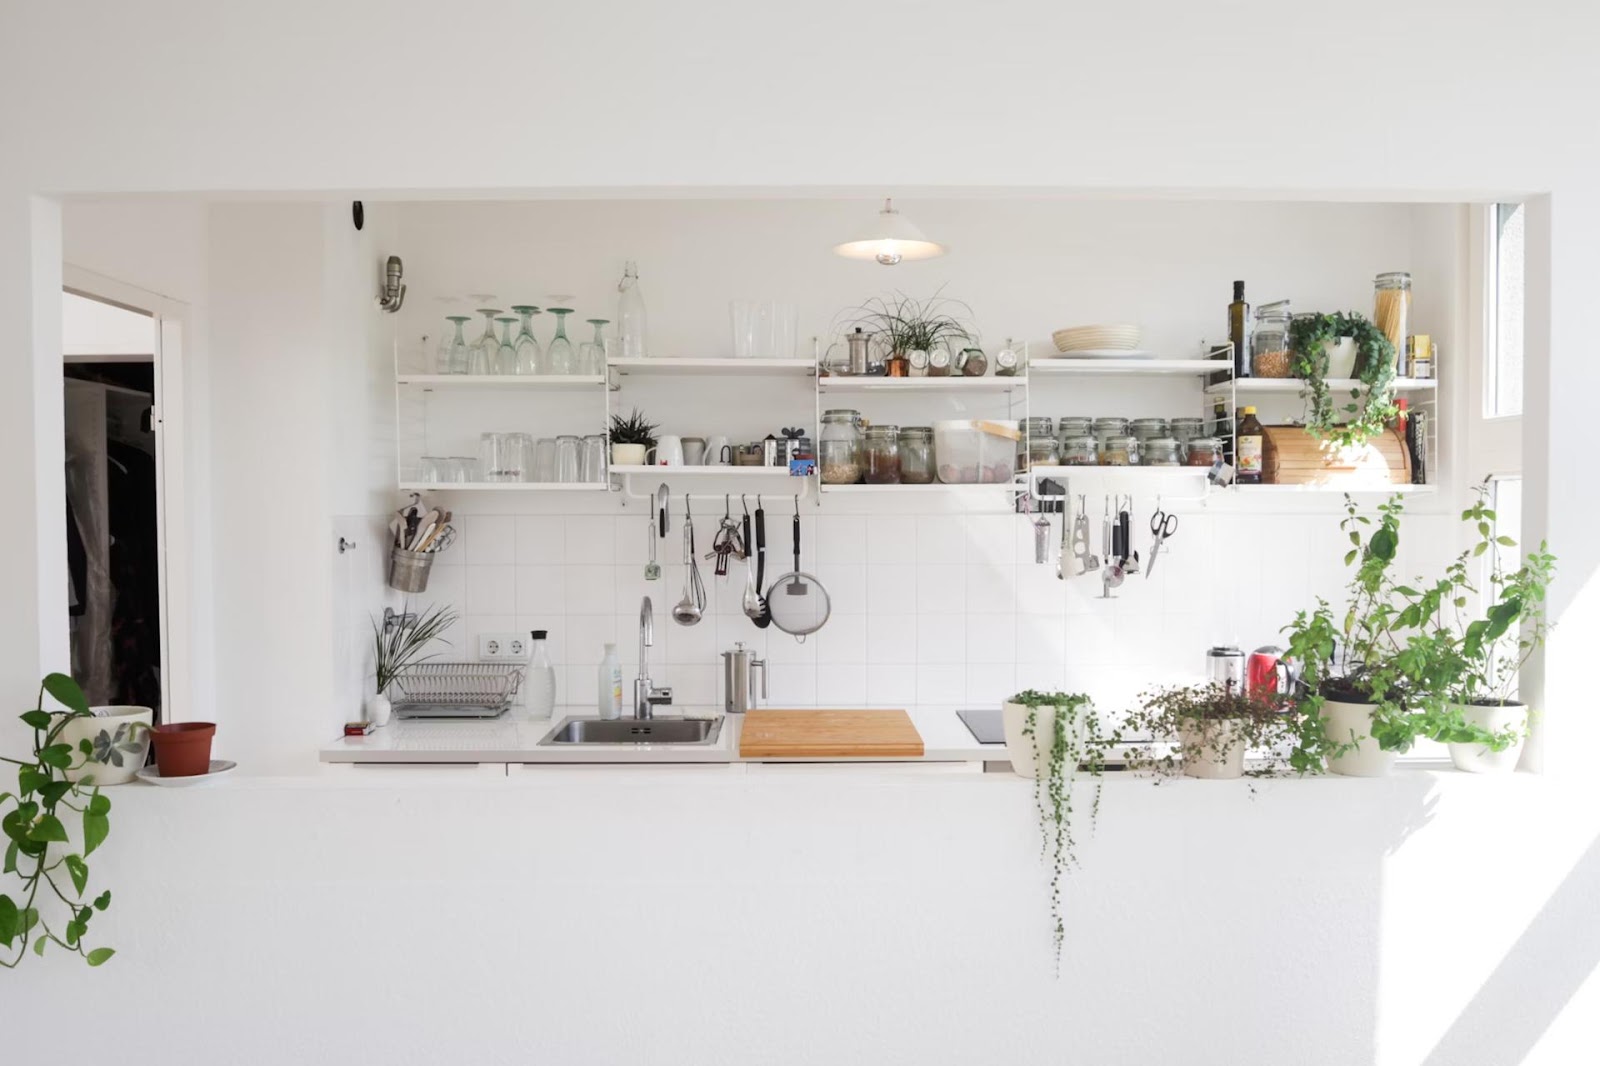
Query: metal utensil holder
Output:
(408,571)
(484,687)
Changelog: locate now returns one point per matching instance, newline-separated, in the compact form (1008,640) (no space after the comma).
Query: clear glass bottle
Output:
(529,359)
(839,447)
(916,456)
(630,313)
(1269,344)
(1159,451)
(1119,450)
(561,357)
(881,450)
(540,685)
(1080,451)
(1391,307)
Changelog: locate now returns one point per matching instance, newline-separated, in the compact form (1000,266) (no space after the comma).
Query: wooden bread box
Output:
(1290,455)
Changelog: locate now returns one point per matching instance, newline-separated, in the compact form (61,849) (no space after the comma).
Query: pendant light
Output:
(890,238)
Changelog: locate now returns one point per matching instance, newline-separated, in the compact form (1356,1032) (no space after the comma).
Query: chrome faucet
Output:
(646,696)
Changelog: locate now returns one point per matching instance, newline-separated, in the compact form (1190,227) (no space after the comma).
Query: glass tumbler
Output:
(463,468)
(568,449)
(594,458)
(522,451)
(544,460)
(434,468)
(495,451)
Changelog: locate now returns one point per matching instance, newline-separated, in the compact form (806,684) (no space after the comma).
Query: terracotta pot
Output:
(1212,749)
(183,749)
(1495,717)
(1353,721)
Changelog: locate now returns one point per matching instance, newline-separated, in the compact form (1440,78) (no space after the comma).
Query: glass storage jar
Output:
(1043,451)
(1037,428)
(881,453)
(1109,427)
(1391,307)
(839,447)
(1149,428)
(1269,347)
(1203,451)
(916,456)
(1159,451)
(1069,426)
(1119,450)
(1186,429)
(1080,451)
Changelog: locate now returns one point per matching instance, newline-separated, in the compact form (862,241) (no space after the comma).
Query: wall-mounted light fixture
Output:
(889,239)
(393,292)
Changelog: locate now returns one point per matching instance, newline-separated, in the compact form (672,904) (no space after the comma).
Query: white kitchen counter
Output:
(515,739)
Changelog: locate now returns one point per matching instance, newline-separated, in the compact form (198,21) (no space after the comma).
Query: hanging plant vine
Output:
(1372,405)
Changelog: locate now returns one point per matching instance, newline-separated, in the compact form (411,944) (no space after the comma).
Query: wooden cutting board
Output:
(779,734)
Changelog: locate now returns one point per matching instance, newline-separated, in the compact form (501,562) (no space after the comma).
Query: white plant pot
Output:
(1209,739)
(1477,759)
(627,454)
(1353,721)
(121,740)
(377,709)
(1341,357)
(1029,753)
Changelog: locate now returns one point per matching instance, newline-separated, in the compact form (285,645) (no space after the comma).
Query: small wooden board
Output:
(1292,456)
(780,734)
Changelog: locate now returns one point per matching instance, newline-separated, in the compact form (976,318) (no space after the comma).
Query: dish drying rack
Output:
(456,690)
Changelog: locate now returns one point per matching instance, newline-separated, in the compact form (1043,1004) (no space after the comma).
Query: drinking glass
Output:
(434,469)
(561,358)
(592,354)
(544,460)
(500,461)
(528,355)
(453,353)
(506,357)
(486,349)
(782,320)
(594,457)
(743,315)
(462,469)
(567,448)
(522,443)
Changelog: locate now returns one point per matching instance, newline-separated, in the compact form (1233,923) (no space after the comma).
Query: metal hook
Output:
(745,504)
(797,503)
(686,512)
(727,505)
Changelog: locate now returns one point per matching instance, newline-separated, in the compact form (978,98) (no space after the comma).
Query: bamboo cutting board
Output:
(1292,456)
(774,734)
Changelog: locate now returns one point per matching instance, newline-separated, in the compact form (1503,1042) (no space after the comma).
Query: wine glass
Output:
(562,359)
(453,354)
(506,358)
(528,355)
(592,354)
(486,349)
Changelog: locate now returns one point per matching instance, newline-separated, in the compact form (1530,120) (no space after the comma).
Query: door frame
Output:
(173,542)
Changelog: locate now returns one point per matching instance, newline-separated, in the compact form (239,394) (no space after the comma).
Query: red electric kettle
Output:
(1268,674)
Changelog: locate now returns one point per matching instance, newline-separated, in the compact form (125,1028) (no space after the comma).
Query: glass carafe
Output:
(528,355)
(561,358)
(486,349)
(506,359)
(630,313)
(455,360)
(592,354)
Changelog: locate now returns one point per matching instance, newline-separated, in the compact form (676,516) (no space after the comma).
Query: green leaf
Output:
(66,692)
(1349,557)
(79,872)
(99,804)
(10,920)
(86,746)
(51,794)
(38,946)
(11,859)
(30,918)
(103,900)
(1383,544)
(1505,542)
(37,719)
(30,779)
(96,827)
(100,955)
(73,932)
(57,755)
(48,829)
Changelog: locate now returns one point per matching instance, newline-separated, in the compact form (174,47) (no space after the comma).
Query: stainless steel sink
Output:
(702,731)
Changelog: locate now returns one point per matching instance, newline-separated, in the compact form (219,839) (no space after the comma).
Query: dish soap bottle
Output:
(541,679)
(630,313)
(610,692)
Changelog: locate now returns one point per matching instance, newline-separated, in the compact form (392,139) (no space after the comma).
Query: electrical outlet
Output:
(502,646)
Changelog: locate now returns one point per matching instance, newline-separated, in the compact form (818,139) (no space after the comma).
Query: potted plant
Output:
(41,866)
(1051,737)
(398,643)
(119,741)
(1316,341)
(903,325)
(1215,726)
(631,439)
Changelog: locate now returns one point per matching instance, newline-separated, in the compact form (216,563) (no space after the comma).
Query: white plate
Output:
(150,775)
(1107,353)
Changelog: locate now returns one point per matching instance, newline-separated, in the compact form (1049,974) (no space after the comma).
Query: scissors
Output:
(1162,526)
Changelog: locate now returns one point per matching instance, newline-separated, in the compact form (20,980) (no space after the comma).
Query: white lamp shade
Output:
(890,238)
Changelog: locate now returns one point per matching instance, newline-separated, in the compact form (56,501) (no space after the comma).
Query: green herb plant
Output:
(634,429)
(903,324)
(403,644)
(1370,412)
(1076,743)
(51,877)
(1210,722)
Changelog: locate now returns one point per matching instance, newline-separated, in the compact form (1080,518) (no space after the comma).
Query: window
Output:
(1502,380)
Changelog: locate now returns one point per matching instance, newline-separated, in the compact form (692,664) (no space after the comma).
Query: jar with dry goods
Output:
(1119,450)
(1080,451)
(1391,307)
(839,447)
(916,456)
(1186,429)
(1203,451)
(1269,347)
(881,451)
(1036,431)
(1109,427)
(1043,451)
(1069,426)
(1144,429)
(1159,451)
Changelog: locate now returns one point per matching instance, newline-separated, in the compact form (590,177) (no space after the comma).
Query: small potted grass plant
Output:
(400,641)
(1206,730)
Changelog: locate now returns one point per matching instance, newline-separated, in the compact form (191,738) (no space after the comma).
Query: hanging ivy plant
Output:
(1372,405)
(1075,742)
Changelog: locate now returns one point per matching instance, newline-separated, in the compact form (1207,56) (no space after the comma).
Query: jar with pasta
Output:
(1391,310)
(1269,345)
(1120,450)
(839,447)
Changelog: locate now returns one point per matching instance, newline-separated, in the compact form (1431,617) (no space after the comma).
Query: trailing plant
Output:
(903,324)
(402,643)
(34,823)
(1212,722)
(634,429)
(1369,413)
(1075,743)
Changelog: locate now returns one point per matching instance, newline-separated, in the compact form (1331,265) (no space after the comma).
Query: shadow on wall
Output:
(1537,978)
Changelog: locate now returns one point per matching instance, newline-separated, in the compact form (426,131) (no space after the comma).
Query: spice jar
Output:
(1119,450)
(1203,451)
(1159,451)
(1149,428)
(1186,429)
(1109,427)
(972,363)
(1269,347)
(1080,451)
(839,447)
(916,456)
(881,451)
(1391,307)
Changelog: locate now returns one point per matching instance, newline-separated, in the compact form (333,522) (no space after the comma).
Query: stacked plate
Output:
(1106,338)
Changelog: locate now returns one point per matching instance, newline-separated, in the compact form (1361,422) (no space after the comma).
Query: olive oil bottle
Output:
(1239,331)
